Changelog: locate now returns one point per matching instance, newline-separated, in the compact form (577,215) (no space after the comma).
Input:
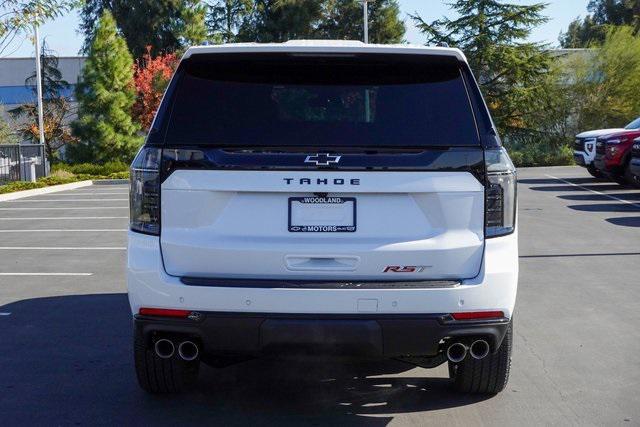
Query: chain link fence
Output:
(22,163)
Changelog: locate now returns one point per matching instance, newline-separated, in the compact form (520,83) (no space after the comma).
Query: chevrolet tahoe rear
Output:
(333,197)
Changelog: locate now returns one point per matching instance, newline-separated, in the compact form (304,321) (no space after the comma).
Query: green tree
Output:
(581,33)
(603,14)
(281,20)
(19,16)
(512,73)
(343,20)
(605,84)
(106,94)
(165,25)
(225,17)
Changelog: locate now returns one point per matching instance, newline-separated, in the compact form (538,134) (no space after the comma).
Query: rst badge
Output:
(405,268)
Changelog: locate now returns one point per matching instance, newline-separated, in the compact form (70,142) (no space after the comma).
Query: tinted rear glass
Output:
(284,100)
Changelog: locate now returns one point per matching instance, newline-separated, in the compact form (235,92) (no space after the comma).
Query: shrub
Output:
(93,169)
(20,186)
(541,155)
(61,173)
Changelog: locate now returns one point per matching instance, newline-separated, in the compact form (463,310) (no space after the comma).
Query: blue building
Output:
(14,72)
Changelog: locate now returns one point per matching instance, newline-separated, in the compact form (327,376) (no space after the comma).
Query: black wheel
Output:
(485,376)
(158,375)
(620,179)
(629,177)
(594,172)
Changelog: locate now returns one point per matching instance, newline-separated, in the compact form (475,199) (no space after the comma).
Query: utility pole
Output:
(39,92)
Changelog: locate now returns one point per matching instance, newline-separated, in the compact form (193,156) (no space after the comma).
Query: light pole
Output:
(365,18)
(39,93)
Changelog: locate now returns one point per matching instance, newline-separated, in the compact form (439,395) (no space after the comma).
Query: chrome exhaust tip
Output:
(456,352)
(479,349)
(164,348)
(188,350)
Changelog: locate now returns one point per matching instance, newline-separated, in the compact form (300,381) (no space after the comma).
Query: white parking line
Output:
(64,200)
(46,274)
(62,217)
(61,248)
(69,208)
(5,314)
(60,230)
(596,192)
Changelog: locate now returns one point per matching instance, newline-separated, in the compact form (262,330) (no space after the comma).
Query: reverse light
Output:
(500,194)
(144,192)
(474,315)
(164,312)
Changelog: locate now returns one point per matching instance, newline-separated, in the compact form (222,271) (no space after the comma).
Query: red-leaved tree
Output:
(151,78)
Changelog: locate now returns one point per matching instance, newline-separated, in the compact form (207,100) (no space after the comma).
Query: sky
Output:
(61,34)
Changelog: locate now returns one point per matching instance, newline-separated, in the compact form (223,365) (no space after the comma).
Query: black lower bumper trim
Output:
(318,284)
(378,336)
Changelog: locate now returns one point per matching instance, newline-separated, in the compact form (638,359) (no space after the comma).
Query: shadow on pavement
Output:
(629,221)
(563,188)
(606,207)
(578,181)
(590,197)
(68,360)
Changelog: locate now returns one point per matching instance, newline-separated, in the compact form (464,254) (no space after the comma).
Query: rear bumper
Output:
(368,322)
(371,336)
(494,288)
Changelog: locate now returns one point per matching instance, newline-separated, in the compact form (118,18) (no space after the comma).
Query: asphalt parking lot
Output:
(65,339)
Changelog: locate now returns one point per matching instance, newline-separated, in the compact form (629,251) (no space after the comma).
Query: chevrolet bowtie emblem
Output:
(322,159)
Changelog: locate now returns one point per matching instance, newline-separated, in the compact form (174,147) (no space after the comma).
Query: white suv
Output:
(332,197)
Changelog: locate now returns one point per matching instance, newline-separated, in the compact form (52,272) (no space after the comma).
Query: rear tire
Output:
(594,172)
(620,179)
(485,376)
(628,176)
(157,375)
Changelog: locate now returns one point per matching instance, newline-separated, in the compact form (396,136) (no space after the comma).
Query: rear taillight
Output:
(500,194)
(144,194)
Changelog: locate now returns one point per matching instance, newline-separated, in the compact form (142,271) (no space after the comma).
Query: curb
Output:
(45,190)
(110,181)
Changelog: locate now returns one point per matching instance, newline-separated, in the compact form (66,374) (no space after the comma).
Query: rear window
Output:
(330,101)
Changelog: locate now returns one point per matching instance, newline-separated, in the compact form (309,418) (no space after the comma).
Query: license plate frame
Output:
(309,228)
